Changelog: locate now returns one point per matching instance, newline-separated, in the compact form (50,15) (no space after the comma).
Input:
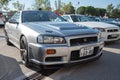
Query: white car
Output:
(108,31)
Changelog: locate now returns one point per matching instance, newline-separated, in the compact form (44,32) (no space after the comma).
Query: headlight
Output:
(51,40)
(99,35)
(101,29)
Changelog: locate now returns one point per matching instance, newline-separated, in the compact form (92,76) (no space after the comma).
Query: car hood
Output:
(60,28)
(97,24)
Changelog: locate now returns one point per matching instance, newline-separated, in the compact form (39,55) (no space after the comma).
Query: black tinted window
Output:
(75,18)
(36,16)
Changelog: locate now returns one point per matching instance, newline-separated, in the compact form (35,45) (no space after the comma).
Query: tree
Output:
(97,11)
(38,4)
(18,6)
(44,4)
(81,10)
(118,6)
(116,12)
(90,10)
(58,5)
(3,3)
(48,6)
(102,12)
(5,7)
(113,12)
(109,9)
(48,9)
(69,9)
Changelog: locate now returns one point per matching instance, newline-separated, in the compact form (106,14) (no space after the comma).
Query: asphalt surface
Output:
(11,66)
(8,68)
(106,68)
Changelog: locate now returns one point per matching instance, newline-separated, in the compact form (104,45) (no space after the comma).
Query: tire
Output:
(24,51)
(7,39)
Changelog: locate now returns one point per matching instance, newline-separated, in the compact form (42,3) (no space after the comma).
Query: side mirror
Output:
(13,21)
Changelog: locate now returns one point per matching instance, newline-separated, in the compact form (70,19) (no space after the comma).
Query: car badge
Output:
(85,39)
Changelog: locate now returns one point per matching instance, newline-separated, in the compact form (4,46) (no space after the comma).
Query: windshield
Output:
(40,16)
(76,18)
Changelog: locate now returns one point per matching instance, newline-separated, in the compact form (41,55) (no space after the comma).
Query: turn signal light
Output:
(51,51)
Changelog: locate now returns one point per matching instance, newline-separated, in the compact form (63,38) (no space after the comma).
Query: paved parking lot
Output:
(106,68)
(12,65)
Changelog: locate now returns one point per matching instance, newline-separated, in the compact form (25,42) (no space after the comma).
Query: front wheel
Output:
(24,51)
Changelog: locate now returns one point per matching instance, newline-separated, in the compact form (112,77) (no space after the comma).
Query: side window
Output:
(75,18)
(16,16)
(96,20)
(66,17)
(83,19)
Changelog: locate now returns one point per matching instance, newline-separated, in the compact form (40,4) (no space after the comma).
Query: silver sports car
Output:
(45,38)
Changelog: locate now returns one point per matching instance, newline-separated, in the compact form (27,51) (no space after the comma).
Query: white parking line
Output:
(113,50)
(48,78)
(26,75)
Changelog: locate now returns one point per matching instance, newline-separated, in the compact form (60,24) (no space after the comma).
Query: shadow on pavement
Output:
(1,26)
(45,72)
(10,69)
(41,73)
(114,44)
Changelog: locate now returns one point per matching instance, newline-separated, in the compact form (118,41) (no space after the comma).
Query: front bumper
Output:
(64,54)
(108,36)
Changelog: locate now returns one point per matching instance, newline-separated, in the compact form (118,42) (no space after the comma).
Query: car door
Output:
(14,28)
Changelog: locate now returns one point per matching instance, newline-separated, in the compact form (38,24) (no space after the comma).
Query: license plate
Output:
(85,51)
(114,35)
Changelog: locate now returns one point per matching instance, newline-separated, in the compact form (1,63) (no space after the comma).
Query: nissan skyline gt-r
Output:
(45,38)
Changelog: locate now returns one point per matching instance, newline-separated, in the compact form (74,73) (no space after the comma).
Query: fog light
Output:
(51,51)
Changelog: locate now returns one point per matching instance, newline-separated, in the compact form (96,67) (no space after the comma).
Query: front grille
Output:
(84,40)
(75,54)
(112,30)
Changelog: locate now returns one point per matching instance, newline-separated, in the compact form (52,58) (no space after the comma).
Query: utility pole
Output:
(76,7)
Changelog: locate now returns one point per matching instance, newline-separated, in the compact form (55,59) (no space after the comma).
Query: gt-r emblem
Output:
(85,39)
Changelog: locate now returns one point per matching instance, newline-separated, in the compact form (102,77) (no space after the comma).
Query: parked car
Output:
(45,38)
(107,20)
(109,32)
(2,20)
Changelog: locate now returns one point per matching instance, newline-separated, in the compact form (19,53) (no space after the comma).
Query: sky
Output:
(95,3)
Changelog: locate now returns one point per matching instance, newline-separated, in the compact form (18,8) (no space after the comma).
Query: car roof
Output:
(33,11)
(73,15)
